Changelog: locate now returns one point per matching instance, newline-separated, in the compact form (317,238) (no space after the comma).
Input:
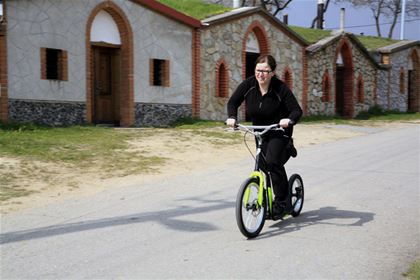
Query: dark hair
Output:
(269,59)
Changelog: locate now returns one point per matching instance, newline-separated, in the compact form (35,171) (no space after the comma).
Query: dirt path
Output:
(184,154)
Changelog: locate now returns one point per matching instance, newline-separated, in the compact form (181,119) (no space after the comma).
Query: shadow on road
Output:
(167,217)
(325,215)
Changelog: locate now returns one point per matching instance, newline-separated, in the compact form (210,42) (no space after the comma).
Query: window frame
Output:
(164,80)
(56,70)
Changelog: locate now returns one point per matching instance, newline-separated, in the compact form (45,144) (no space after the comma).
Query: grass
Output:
(196,8)
(414,272)
(372,42)
(75,144)
(311,35)
(38,150)
(42,153)
(201,10)
(314,35)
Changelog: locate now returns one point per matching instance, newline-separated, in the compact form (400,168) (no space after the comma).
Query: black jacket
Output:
(278,103)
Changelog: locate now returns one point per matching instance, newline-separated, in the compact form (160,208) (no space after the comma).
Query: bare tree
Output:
(273,6)
(324,10)
(390,9)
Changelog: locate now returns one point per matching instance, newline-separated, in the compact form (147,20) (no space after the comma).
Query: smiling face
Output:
(263,73)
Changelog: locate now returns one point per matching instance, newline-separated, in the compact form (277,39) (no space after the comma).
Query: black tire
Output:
(297,194)
(249,217)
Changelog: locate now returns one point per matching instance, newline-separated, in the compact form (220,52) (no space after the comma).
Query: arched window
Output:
(402,81)
(222,80)
(360,90)
(288,79)
(326,87)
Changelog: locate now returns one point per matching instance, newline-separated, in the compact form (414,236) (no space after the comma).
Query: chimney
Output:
(236,4)
(286,19)
(320,15)
(342,12)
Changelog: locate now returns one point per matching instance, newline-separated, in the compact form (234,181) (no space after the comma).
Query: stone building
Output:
(399,82)
(230,45)
(334,76)
(139,62)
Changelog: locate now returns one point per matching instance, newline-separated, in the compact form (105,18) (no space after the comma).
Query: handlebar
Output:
(262,129)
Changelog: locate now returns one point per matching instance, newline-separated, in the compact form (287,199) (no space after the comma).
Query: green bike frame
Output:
(261,179)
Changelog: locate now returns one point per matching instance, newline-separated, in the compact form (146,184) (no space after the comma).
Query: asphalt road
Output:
(360,220)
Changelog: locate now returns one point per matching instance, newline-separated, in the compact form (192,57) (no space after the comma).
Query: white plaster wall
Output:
(53,24)
(105,29)
(161,38)
(61,24)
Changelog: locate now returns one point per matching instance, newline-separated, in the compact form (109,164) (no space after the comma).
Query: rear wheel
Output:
(250,216)
(297,194)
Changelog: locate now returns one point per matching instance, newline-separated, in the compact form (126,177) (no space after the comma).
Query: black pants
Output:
(274,148)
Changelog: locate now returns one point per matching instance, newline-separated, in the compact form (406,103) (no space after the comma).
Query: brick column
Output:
(4,99)
(196,73)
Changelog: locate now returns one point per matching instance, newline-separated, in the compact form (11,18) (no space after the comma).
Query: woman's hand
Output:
(231,122)
(284,123)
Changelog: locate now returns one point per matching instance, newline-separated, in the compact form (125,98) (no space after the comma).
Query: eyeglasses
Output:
(263,72)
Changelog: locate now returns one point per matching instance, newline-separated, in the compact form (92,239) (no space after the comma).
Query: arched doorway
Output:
(344,104)
(109,67)
(252,52)
(414,82)
(255,44)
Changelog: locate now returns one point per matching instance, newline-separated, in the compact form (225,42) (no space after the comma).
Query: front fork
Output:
(261,179)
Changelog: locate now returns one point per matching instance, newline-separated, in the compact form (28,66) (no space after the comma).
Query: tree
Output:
(273,6)
(388,8)
(324,10)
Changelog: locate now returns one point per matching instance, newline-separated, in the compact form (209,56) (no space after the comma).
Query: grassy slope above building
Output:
(200,10)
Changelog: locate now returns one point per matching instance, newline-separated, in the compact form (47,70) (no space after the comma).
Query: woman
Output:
(268,101)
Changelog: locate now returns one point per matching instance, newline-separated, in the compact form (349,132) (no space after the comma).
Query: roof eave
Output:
(235,14)
(169,12)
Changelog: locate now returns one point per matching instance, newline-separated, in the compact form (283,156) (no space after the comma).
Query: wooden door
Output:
(339,91)
(106,80)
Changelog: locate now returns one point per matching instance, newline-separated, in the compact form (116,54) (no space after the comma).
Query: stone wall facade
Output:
(226,42)
(47,112)
(394,96)
(160,115)
(364,69)
(383,90)
(323,63)
(320,63)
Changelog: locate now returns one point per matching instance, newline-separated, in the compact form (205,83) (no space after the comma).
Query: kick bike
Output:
(254,202)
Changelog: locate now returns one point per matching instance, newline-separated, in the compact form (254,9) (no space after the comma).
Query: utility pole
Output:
(320,13)
(402,20)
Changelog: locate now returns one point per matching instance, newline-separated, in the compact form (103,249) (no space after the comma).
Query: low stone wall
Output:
(47,113)
(73,113)
(160,115)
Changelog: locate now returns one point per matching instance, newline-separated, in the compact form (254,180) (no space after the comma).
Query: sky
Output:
(302,12)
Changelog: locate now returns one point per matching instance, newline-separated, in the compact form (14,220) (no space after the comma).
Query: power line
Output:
(366,25)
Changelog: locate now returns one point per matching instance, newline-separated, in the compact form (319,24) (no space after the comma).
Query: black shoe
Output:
(278,210)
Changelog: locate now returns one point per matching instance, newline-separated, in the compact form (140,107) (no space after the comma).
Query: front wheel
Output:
(297,194)
(250,216)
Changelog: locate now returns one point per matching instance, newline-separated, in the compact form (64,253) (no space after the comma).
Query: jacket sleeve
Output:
(295,111)
(236,99)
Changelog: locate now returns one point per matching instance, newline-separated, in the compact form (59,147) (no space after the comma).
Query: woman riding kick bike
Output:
(269,101)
